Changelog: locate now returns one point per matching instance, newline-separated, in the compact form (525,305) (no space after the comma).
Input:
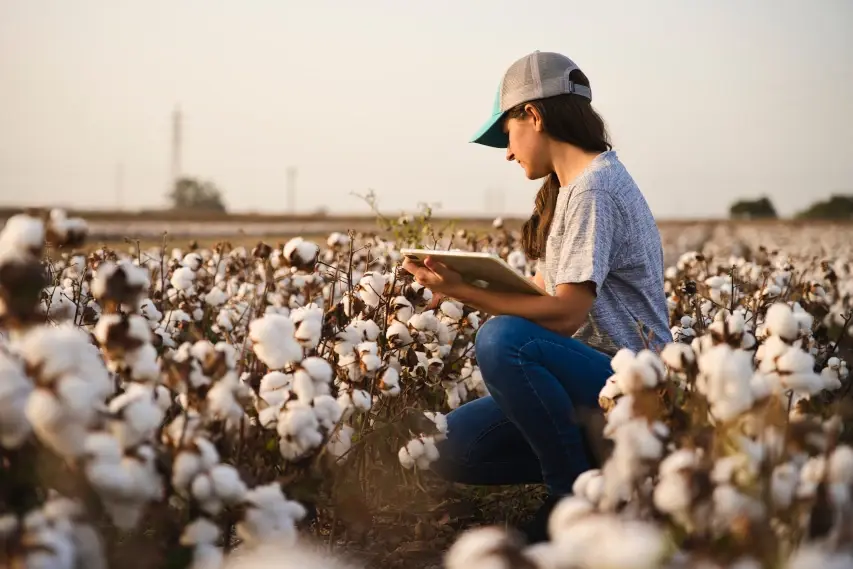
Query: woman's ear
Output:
(535,117)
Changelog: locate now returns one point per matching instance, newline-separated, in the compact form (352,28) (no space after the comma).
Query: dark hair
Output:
(568,118)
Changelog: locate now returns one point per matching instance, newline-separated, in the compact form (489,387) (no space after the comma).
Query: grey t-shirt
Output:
(603,231)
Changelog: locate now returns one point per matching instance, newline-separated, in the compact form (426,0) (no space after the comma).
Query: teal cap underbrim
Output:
(492,132)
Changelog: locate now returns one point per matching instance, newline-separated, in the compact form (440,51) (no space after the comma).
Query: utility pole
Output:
(119,189)
(291,189)
(177,142)
(493,201)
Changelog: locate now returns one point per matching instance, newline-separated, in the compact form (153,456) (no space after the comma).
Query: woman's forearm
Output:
(552,312)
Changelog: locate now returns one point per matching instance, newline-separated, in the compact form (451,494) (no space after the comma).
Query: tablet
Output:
(484,270)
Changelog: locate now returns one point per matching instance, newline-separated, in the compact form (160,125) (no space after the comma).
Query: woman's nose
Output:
(509,154)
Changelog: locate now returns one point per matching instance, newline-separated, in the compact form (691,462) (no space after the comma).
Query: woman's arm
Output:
(539,280)
(563,313)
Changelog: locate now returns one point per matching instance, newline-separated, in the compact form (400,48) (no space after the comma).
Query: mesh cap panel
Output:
(539,75)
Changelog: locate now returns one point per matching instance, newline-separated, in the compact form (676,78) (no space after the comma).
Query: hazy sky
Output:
(706,100)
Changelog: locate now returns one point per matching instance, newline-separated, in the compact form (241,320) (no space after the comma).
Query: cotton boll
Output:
(182,279)
(456,394)
(143,364)
(63,350)
(440,421)
(407,461)
(812,556)
(268,416)
(52,424)
(371,287)
(299,430)
(451,309)
(565,514)
(215,297)
(337,239)
(770,351)
(223,400)
(486,547)
(840,468)
(202,491)
(328,411)
(726,376)
(202,534)
(319,369)
(424,322)
(678,356)
(22,231)
(622,359)
(270,517)
(812,474)
(430,454)
(830,378)
(783,485)
(780,321)
(370,363)
(795,371)
(137,416)
(59,304)
(340,442)
(413,454)
(729,504)
(369,329)
(636,376)
(474,383)
(673,494)
(275,387)
(398,334)
(303,386)
(583,481)
(227,484)
(15,389)
(361,399)
(403,309)
(389,382)
(274,344)
(187,466)
(608,541)
(300,253)
(619,415)
(473,320)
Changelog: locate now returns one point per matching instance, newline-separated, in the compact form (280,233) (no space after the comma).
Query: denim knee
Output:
(498,340)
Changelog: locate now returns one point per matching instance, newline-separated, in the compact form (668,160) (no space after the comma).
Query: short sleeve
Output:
(584,254)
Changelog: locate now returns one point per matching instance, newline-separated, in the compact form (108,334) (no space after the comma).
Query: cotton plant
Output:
(185,381)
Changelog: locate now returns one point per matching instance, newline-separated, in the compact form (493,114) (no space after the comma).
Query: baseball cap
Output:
(537,75)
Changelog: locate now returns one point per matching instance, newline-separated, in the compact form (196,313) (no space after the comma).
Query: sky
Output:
(707,101)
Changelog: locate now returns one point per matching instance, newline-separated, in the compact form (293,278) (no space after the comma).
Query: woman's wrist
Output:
(461,292)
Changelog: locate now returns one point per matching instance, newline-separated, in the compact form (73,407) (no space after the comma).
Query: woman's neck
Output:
(570,161)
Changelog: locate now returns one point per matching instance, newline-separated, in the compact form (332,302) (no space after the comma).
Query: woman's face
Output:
(528,144)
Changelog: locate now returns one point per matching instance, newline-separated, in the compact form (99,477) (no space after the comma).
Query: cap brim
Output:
(492,133)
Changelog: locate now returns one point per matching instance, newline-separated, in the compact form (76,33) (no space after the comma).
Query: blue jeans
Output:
(538,423)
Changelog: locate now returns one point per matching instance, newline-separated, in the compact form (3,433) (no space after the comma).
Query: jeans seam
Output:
(481,436)
(535,392)
(530,385)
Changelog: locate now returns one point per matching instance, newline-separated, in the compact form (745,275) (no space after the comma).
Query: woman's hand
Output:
(435,276)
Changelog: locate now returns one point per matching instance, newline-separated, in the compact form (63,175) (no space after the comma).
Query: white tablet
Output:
(479,269)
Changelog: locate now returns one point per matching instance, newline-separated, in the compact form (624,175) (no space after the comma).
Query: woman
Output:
(544,359)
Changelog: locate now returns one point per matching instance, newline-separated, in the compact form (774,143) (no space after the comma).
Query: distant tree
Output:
(190,193)
(836,207)
(761,208)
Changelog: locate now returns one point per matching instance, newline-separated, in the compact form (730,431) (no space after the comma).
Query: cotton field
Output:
(195,393)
